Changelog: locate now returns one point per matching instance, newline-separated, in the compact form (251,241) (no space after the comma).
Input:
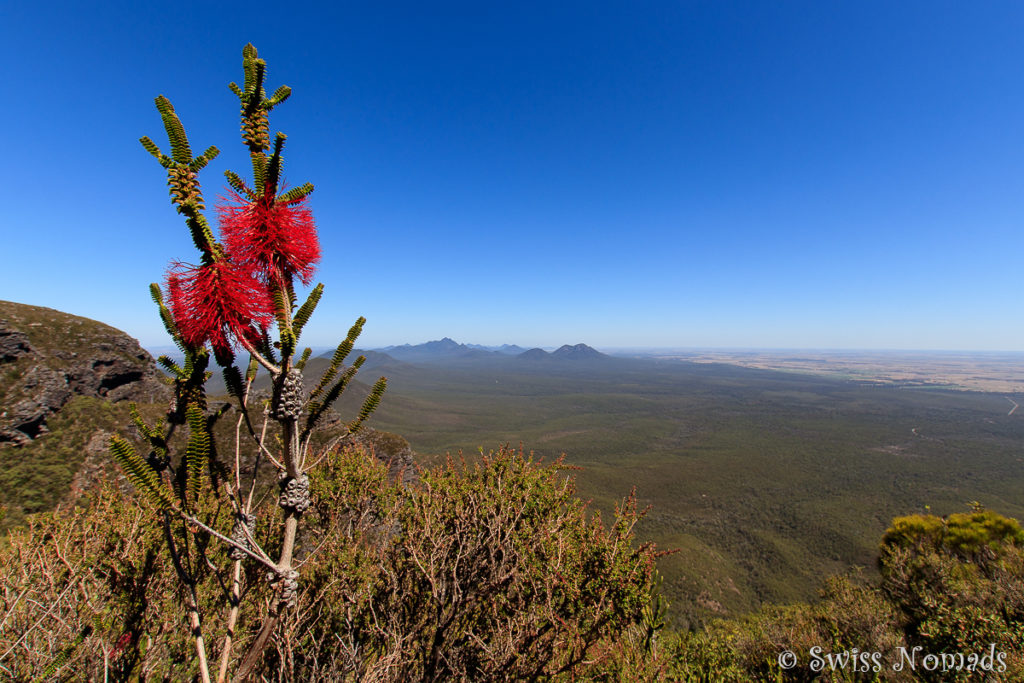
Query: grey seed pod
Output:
(242,523)
(289,581)
(290,587)
(294,493)
(288,402)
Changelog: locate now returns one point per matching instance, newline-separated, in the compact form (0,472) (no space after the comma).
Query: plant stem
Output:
(291,524)
(225,654)
(197,631)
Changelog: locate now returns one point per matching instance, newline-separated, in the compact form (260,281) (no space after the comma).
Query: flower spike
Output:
(277,239)
(217,301)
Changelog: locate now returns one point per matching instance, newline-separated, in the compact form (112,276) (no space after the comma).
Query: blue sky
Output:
(738,174)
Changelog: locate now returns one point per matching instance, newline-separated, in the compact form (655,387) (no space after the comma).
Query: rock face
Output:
(13,344)
(392,450)
(48,357)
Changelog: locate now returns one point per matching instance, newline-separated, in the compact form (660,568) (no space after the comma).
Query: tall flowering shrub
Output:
(236,300)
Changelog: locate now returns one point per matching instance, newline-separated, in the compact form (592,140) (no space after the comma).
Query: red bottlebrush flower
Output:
(121,644)
(275,238)
(217,301)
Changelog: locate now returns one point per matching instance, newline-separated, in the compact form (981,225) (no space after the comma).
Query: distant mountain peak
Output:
(577,352)
(438,349)
(447,349)
(446,343)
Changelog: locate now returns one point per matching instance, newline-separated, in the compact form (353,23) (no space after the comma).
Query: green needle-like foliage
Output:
(151,147)
(191,386)
(172,367)
(233,381)
(259,170)
(139,473)
(197,453)
(274,167)
(267,347)
(200,162)
(306,353)
(239,186)
(340,354)
(317,408)
(165,315)
(255,127)
(288,343)
(153,434)
(182,178)
(62,658)
(181,152)
(370,404)
(250,372)
(280,307)
(296,194)
(279,96)
(302,316)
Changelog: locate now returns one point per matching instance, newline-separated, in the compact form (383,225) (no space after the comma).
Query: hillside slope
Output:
(65,385)
(48,358)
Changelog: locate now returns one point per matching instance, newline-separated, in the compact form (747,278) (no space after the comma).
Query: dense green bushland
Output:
(767,481)
(495,571)
(950,586)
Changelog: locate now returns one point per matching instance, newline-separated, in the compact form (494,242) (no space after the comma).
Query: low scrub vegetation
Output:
(487,572)
(495,571)
(949,607)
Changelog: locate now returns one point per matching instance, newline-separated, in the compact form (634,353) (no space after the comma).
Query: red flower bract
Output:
(217,301)
(276,239)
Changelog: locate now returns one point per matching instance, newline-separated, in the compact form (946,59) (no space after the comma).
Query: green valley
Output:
(766,481)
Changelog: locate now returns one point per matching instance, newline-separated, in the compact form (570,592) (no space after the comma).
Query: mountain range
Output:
(447,349)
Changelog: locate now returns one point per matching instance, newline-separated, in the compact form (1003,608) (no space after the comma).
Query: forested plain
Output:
(766,482)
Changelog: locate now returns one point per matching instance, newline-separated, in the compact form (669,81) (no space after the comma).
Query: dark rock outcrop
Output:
(12,343)
(48,357)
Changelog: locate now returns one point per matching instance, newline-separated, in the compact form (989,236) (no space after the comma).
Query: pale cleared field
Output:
(974,371)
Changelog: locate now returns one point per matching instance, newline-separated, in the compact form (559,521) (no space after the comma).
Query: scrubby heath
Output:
(493,572)
(487,572)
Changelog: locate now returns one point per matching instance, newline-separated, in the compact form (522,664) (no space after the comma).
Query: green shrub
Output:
(849,618)
(975,535)
(958,582)
(951,585)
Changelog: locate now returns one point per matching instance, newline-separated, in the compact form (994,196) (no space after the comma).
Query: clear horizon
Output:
(164,348)
(692,175)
